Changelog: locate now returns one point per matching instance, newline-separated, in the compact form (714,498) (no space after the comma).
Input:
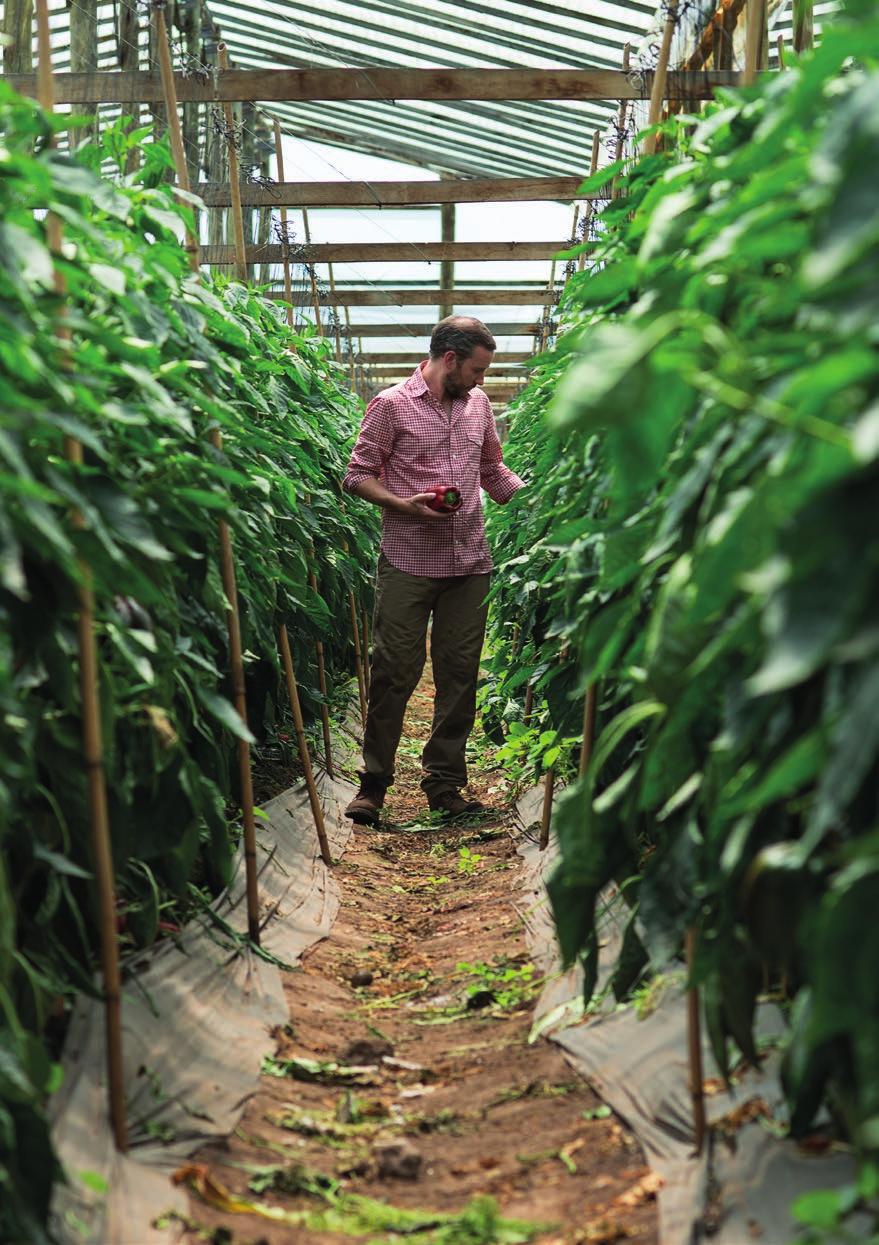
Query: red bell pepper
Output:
(446,499)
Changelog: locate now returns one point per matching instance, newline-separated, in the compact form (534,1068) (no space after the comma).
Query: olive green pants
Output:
(404,605)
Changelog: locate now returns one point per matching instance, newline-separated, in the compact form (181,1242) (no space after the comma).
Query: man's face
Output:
(462,375)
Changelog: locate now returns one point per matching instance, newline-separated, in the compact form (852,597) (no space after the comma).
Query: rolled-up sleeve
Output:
(497,479)
(374,444)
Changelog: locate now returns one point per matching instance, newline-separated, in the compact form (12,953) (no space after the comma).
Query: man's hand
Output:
(417,507)
(373,490)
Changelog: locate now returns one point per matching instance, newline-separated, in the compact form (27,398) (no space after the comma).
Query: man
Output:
(434,429)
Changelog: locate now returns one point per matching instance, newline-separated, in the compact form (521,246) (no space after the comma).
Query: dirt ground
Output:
(404,1097)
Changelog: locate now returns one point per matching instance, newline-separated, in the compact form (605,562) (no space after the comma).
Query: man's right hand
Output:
(418,508)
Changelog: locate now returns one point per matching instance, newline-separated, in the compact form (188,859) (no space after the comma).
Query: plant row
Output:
(138,360)
(701,547)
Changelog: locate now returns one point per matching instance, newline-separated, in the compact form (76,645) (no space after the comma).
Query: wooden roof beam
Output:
(456,297)
(387,358)
(376,82)
(388,252)
(422,331)
(398,194)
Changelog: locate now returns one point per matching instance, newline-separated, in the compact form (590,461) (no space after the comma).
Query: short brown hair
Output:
(461,334)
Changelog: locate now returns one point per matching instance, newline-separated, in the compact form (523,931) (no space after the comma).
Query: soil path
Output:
(439,1107)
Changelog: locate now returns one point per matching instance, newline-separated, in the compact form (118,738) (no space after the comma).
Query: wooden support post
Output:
(239,696)
(780,47)
(216,158)
(248,162)
(92,731)
(337,324)
(317,811)
(804,29)
(84,57)
(447,266)
(173,119)
(189,18)
(128,36)
(312,276)
(234,177)
(350,345)
(288,285)
(755,39)
(18,23)
(660,78)
(589,208)
(621,124)
(694,1043)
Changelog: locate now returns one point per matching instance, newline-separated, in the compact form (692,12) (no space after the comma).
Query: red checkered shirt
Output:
(409,442)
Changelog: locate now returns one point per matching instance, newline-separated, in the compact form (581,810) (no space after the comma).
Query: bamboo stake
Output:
(781,58)
(358,658)
(315,295)
(364,620)
(288,283)
(588,210)
(529,704)
(101,849)
(321,675)
(660,77)
(317,811)
(234,176)
(239,696)
(588,728)
(170,93)
(549,784)
(694,1038)
(546,813)
(755,40)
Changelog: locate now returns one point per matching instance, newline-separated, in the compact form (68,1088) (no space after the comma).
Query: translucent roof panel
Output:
(463,139)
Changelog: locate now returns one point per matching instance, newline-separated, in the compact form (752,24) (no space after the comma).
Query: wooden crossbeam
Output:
(390,252)
(510,370)
(423,331)
(377,83)
(397,194)
(457,297)
(388,358)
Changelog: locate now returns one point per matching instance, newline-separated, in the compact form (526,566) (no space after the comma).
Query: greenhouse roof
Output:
(463,139)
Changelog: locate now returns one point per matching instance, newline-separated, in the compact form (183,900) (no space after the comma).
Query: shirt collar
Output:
(416,384)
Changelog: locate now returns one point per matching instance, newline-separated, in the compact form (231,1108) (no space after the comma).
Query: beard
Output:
(455,387)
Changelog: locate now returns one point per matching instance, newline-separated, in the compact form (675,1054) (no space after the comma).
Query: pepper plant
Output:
(702,530)
(148,360)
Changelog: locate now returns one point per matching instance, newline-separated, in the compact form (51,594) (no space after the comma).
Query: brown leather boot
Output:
(365,808)
(453,804)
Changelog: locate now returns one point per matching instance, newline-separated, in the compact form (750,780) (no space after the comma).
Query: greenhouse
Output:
(439,664)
